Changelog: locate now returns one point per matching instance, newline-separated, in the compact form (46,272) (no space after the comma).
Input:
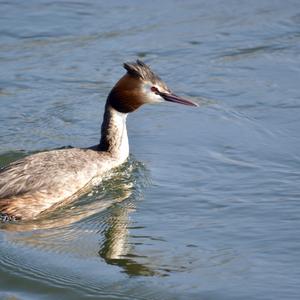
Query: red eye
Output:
(155,90)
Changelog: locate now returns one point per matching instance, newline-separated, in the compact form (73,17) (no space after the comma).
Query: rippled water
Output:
(207,207)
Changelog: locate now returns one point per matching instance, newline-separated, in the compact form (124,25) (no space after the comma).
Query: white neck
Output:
(114,137)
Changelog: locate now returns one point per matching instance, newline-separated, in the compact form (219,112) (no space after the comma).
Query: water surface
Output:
(207,206)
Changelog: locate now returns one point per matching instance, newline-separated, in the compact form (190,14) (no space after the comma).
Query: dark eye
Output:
(155,90)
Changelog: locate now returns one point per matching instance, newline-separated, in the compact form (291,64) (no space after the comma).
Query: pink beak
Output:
(174,98)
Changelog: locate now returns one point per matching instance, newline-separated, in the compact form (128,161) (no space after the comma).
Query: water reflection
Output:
(104,212)
(115,249)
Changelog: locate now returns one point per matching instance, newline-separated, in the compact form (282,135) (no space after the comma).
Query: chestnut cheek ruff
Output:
(124,102)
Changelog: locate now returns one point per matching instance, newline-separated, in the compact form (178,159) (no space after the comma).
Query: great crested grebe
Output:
(41,181)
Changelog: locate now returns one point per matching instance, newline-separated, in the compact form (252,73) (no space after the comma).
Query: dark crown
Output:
(140,70)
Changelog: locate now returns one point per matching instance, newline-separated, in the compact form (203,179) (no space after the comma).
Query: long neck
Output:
(114,137)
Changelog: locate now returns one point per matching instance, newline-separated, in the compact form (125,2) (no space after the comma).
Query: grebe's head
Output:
(140,85)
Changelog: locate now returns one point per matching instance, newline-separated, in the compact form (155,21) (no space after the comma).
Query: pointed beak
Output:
(174,98)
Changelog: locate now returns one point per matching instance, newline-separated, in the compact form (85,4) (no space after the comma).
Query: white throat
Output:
(114,137)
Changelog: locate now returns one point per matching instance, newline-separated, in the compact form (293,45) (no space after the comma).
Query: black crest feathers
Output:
(140,70)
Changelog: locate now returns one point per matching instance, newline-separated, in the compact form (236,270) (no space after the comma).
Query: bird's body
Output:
(42,181)
(35,183)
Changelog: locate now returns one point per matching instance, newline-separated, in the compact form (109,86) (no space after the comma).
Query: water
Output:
(207,207)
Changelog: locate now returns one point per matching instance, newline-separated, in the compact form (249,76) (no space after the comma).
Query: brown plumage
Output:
(43,181)
(141,71)
(126,97)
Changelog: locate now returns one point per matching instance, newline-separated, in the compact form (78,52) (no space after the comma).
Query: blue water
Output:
(207,207)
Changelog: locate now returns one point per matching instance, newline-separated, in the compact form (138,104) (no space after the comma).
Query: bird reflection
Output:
(105,211)
(115,249)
